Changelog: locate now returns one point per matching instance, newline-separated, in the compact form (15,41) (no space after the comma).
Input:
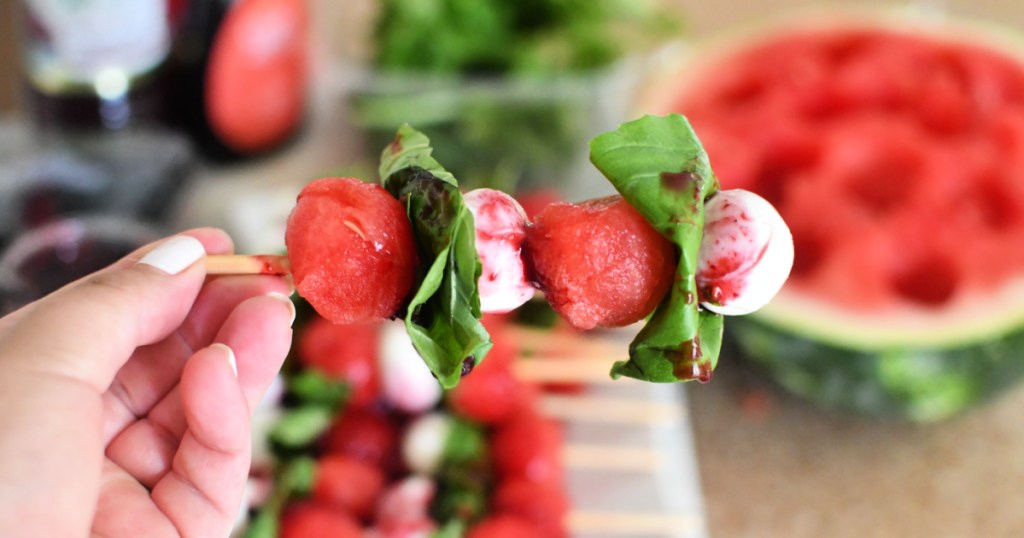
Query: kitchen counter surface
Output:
(772,465)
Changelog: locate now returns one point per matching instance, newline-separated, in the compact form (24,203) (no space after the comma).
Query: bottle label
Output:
(80,41)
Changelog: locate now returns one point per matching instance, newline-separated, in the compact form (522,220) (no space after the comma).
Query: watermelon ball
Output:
(599,262)
(351,249)
(500,229)
(746,253)
(305,519)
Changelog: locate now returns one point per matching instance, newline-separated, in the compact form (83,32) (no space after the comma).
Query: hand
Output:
(123,414)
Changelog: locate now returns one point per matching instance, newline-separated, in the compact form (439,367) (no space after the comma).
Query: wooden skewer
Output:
(566,370)
(633,524)
(605,458)
(562,343)
(608,410)
(247,265)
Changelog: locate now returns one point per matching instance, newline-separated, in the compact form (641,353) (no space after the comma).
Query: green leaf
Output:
(312,387)
(453,529)
(266,524)
(661,169)
(298,475)
(301,426)
(294,478)
(466,443)
(443,317)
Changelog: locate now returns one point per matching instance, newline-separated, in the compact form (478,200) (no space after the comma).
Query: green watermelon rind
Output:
(916,383)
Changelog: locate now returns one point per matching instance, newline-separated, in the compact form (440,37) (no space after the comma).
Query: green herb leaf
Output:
(312,387)
(661,169)
(294,479)
(466,443)
(443,317)
(300,427)
(453,529)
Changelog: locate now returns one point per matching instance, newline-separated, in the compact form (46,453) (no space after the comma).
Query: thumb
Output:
(88,330)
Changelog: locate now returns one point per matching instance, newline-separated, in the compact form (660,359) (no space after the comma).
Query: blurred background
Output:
(229,115)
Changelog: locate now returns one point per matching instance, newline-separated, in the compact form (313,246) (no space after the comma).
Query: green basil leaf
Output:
(453,529)
(661,169)
(313,387)
(466,443)
(300,427)
(294,479)
(443,317)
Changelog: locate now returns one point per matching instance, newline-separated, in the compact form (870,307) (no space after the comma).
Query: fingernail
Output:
(175,254)
(287,300)
(229,354)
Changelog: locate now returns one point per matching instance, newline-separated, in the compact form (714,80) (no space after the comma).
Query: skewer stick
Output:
(608,410)
(547,342)
(541,369)
(633,524)
(611,458)
(247,265)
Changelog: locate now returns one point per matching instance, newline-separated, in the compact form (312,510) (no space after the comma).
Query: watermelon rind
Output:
(906,372)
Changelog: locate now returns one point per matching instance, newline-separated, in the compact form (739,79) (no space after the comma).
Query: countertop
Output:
(772,465)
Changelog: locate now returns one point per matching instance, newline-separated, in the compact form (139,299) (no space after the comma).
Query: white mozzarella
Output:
(500,229)
(406,381)
(746,253)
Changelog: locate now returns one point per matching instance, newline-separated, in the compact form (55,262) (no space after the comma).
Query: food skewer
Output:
(608,410)
(242,264)
(632,524)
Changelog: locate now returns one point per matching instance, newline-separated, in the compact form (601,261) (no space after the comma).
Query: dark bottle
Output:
(239,75)
(95,64)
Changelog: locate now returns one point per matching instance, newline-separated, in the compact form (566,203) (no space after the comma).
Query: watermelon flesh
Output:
(599,262)
(893,157)
(351,249)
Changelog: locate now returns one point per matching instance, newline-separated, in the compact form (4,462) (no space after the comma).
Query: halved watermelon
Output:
(895,152)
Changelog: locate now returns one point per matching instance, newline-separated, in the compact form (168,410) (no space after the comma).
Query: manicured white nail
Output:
(229,355)
(287,300)
(175,254)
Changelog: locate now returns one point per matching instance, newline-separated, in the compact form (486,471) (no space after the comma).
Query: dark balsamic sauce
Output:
(467,365)
(688,362)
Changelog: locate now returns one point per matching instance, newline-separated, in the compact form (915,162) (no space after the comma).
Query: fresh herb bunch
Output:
(508,91)
(498,37)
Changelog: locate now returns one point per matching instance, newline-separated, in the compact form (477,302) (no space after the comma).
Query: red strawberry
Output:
(348,484)
(529,446)
(345,352)
(305,520)
(503,526)
(545,505)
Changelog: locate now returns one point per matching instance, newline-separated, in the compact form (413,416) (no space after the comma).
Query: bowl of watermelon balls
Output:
(893,147)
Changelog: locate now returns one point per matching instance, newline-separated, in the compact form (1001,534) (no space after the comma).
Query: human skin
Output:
(126,396)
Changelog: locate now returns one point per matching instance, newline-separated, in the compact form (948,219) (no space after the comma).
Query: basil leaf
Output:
(443,317)
(453,529)
(661,169)
(313,387)
(294,479)
(300,427)
(466,444)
